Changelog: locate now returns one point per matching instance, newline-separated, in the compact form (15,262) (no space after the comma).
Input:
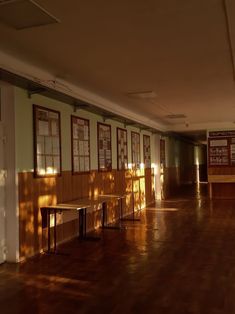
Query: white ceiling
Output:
(178,49)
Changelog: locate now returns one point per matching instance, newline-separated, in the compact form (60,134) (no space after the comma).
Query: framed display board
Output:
(80,132)
(122,159)
(104,147)
(221,148)
(135,149)
(219,152)
(232,151)
(47,142)
(147,151)
(162,153)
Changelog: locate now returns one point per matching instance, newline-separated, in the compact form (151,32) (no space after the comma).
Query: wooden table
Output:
(59,208)
(120,197)
(81,206)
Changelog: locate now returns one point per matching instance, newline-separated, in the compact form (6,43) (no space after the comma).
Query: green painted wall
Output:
(24,132)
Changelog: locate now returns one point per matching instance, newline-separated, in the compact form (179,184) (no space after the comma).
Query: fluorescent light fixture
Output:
(144,94)
(21,14)
(176,116)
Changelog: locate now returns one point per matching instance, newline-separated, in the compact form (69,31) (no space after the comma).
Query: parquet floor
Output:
(179,259)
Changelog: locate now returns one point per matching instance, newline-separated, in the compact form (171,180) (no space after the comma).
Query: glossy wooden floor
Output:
(180,259)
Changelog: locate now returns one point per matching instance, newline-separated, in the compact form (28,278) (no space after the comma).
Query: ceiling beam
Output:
(229,36)
(35,90)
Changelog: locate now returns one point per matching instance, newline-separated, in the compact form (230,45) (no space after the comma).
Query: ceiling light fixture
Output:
(144,94)
(176,116)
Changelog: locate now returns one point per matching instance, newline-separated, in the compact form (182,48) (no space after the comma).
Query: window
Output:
(80,132)
(47,142)
(104,147)
(122,160)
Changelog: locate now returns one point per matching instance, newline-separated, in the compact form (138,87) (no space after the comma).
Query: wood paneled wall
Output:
(175,177)
(223,190)
(149,186)
(37,192)
(203,173)
(221,170)
(188,174)
(171,181)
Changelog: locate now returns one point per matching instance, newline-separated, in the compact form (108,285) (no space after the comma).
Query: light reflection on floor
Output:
(178,259)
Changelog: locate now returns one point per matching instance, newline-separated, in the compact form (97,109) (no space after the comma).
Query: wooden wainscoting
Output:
(221,182)
(149,186)
(37,192)
(223,190)
(171,181)
(221,170)
(175,177)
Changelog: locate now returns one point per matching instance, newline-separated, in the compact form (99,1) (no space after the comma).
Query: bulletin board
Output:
(47,142)
(162,153)
(104,147)
(147,151)
(122,157)
(135,149)
(80,132)
(221,148)
(219,152)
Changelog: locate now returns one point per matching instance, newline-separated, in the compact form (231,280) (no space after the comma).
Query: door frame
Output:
(8,113)
(2,189)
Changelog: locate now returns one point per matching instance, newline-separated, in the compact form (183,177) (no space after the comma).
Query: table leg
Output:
(120,207)
(55,224)
(133,204)
(104,219)
(48,230)
(133,211)
(81,220)
(84,226)
(49,251)
(103,214)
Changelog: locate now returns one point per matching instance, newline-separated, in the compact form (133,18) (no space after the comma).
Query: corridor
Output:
(179,259)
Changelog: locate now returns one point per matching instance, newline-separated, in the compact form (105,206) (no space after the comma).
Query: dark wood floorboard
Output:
(179,259)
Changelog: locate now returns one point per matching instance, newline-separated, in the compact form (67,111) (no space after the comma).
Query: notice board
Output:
(221,148)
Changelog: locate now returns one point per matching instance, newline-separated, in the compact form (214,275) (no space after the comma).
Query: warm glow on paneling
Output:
(162,209)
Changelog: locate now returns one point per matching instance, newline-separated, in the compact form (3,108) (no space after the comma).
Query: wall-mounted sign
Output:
(230,133)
